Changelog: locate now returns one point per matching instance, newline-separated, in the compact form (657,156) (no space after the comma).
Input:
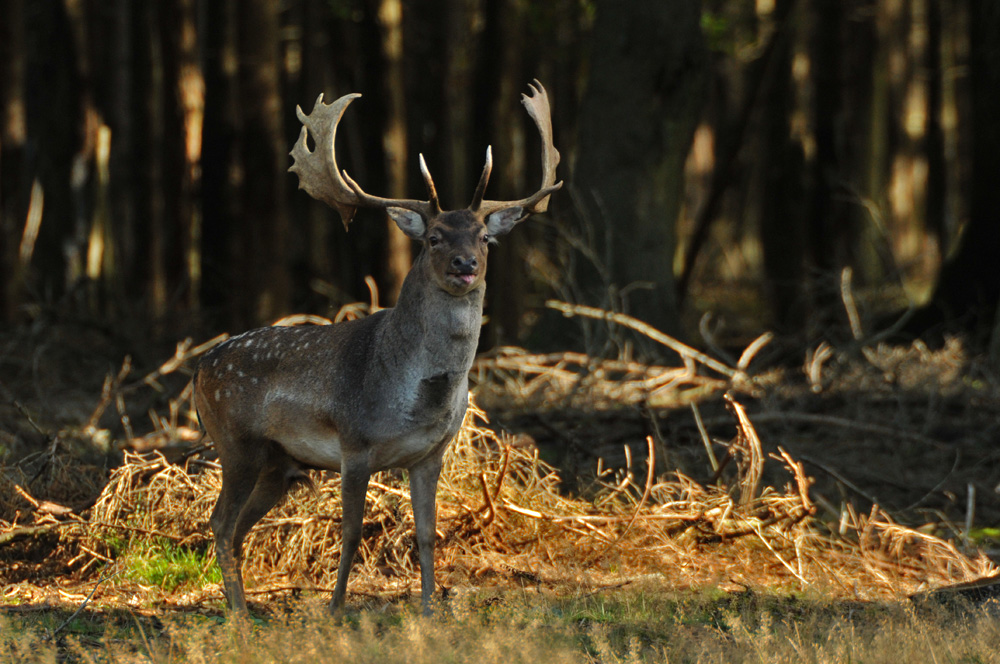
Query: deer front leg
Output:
(354,476)
(423,495)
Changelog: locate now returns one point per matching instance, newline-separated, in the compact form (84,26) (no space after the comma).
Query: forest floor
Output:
(841,507)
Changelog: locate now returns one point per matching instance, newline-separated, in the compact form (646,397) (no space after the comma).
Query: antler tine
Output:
(319,174)
(537,105)
(431,189)
(477,197)
(426,208)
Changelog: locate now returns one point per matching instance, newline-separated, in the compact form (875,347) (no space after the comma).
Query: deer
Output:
(389,390)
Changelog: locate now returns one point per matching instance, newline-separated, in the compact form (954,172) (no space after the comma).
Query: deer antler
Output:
(323,180)
(537,106)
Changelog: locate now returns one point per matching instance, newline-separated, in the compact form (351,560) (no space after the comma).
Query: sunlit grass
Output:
(162,564)
(645,625)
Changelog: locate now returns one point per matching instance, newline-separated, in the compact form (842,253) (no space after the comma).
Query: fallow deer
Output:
(386,391)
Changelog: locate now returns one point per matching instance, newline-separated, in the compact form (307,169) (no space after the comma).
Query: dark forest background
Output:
(721,156)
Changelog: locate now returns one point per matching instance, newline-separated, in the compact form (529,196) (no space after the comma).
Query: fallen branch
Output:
(30,531)
(645,329)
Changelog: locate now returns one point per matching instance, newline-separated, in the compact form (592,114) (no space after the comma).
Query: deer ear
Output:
(500,223)
(409,222)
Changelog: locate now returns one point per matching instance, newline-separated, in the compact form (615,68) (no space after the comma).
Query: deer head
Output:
(455,242)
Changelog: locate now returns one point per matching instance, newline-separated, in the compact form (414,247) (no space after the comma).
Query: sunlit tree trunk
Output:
(398,253)
(189,87)
(461,174)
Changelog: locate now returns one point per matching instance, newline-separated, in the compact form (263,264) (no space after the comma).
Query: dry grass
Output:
(624,626)
(503,521)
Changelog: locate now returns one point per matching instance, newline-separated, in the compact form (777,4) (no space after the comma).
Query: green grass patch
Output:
(163,564)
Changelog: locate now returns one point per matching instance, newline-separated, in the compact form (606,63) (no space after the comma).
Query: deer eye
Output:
(434,240)
(486,238)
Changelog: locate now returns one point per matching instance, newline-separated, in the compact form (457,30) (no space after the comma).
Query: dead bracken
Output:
(503,517)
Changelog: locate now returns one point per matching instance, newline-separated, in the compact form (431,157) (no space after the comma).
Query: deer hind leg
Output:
(354,476)
(251,485)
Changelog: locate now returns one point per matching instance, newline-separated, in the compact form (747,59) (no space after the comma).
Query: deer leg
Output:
(235,492)
(271,486)
(354,476)
(423,495)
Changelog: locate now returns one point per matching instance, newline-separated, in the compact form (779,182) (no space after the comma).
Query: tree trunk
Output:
(827,217)
(968,291)
(501,122)
(219,290)
(398,256)
(263,217)
(14,183)
(637,120)
(781,168)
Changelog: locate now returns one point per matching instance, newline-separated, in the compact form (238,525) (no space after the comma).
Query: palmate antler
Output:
(322,179)
(537,106)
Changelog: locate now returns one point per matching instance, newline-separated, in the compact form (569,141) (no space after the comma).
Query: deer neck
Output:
(431,330)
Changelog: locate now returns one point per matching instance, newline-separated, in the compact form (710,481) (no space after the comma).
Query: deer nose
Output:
(462,264)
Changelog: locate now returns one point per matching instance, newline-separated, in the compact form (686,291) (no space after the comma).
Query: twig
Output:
(104,577)
(144,531)
(933,490)
(661,441)
(142,633)
(847,296)
(487,501)
(24,494)
(814,365)
(830,420)
(801,481)
(750,352)
(751,482)
(709,338)
(650,474)
(705,440)
(24,411)
(970,513)
(843,480)
(780,559)
(645,329)
(601,589)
